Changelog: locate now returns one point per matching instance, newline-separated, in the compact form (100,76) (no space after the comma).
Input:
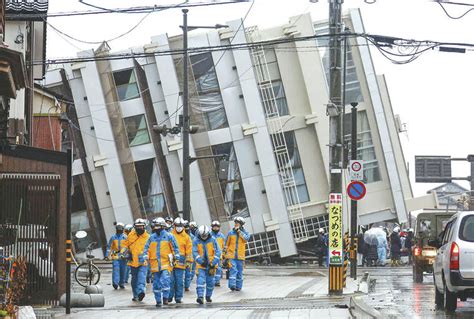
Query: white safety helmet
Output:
(239,220)
(215,223)
(410,230)
(203,231)
(193,225)
(139,222)
(179,221)
(396,229)
(159,221)
(119,226)
(321,230)
(128,227)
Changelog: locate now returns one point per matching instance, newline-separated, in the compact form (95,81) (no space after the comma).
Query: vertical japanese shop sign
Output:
(335,229)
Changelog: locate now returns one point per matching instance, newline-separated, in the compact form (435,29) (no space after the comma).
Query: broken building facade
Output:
(264,107)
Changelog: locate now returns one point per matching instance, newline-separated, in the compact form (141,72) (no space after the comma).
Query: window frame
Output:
(126,84)
(137,131)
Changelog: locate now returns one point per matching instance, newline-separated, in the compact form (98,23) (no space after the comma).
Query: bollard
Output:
(94,290)
(83,300)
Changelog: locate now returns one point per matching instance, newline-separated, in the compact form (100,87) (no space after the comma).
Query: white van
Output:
(454,264)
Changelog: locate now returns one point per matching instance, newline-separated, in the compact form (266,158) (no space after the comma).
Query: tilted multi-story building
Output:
(264,107)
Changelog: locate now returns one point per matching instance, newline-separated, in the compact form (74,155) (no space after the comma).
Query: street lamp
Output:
(186,128)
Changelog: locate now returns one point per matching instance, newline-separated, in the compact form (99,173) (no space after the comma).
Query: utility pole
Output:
(185,123)
(334,110)
(353,255)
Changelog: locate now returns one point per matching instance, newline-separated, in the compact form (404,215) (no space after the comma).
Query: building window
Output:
(149,188)
(126,84)
(365,146)
(297,167)
(208,108)
(231,184)
(353,90)
(222,182)
(272,91)
(262,244)
(137,130)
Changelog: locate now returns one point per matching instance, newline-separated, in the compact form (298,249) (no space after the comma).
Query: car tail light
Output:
(417,251)
(454,257)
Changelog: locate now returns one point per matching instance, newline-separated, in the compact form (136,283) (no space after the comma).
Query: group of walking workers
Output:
(173,253)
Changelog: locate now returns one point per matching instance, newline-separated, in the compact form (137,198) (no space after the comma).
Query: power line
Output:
(238,46)
(453,17)
(377,40)
(116,37)
(142,9)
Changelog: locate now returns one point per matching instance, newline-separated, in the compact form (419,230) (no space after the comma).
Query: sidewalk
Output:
(268,292)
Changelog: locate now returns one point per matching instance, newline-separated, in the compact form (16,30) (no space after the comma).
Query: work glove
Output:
(215,262)
(212,271)
(142,259)
(189,264)
(199,260)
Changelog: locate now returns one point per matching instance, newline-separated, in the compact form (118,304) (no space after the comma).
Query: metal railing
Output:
(280,149)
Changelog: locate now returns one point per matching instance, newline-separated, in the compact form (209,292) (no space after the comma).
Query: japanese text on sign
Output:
(335,229)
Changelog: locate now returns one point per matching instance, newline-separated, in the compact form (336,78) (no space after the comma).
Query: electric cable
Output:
(453,17)
(129,10)
(216,48)
(116,37)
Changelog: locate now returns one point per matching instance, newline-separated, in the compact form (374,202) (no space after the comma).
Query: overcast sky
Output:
(433,95)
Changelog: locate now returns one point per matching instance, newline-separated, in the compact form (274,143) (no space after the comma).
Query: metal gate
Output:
(29,213)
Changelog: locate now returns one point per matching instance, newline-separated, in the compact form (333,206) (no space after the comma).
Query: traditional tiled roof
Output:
(26,6)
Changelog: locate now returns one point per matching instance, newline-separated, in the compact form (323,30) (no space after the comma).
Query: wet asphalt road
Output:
(397,296)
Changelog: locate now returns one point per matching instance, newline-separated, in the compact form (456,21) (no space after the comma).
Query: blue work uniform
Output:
(119,265)
(207,255)
(235,245)
(220,238)
(161,250)
(190,270)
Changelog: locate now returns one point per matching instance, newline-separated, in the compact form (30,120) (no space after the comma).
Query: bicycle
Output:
(87,273)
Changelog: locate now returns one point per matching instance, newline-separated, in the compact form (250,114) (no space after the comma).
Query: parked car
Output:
(454,262)
(428,227)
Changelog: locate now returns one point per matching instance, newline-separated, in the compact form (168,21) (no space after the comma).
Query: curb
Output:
(359,309)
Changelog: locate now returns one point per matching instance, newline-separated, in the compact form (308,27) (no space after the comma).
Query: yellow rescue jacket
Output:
(236,243)
(135,245)
(161,250)
(185,246)
(115,246)
(206,253)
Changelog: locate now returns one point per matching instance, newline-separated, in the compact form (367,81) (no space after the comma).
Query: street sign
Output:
(356,190)
(356,170)
(335,229)
(433,169)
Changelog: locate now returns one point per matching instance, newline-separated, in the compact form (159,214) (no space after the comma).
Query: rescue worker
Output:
(216,233)
(119,265)
(395,247)
(169,223)
(133,248)
(128,228)
(235,245)
(185,246)
(161,249)
(188,275)
(207,254)
(321,246)
(190,269)
(193,228)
